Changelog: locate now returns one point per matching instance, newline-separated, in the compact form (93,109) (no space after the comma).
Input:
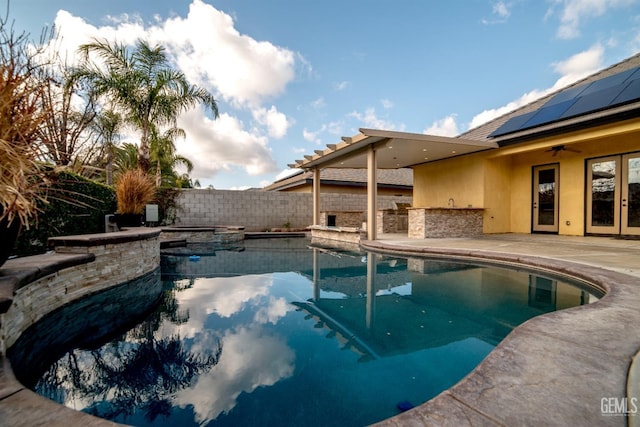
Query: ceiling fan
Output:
(558,148)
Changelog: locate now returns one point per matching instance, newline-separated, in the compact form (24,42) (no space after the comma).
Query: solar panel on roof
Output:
(594,101)
(635,75)
(608,82)
(512,125)
(548,114)
(566,94)
(629,93)
(607,92)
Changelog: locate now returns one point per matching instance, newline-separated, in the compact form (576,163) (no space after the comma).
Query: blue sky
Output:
(291,76)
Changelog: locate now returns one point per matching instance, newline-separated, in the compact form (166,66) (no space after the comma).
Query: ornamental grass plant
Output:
(134,190)
(22,183)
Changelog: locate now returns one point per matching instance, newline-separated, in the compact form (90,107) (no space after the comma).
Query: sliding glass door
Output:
(613,195)
(631,194)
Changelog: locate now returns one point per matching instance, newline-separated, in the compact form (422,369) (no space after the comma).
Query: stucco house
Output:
(567,163)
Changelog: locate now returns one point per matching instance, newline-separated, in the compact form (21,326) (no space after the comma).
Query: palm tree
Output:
(143,85)
(126,158)
(107,127)
(163,153)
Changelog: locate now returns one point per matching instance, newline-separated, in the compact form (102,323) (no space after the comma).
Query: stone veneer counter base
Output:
(444,222)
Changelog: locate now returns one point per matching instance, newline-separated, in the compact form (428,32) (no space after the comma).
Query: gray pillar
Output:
(372,193)
(316,196)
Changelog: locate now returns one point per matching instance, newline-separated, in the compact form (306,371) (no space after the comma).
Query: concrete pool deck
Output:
(571,367)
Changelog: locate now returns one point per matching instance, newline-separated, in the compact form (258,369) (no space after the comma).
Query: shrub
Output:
(167,201)
(76,205)
(134,190)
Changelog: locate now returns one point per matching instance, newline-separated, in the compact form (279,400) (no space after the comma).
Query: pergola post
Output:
(372,193)
(316,196)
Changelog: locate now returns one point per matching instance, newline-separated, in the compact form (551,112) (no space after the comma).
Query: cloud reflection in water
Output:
(252,356)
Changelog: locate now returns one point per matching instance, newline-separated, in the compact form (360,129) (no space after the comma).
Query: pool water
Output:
(273,332)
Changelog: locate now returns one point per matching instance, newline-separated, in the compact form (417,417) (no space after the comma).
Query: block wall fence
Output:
(262,210)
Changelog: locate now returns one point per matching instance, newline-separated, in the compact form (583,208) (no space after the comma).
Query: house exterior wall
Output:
(459,178)
(500,180)
(498,195)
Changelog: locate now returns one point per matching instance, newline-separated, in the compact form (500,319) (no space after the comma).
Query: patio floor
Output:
(570,367)
(612,253)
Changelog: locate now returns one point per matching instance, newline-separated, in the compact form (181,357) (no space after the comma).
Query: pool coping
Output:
(554,369)
(569,367)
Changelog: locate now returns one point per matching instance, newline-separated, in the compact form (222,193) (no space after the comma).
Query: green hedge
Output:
(76,205)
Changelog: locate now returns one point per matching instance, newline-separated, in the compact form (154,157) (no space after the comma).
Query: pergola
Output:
(375,149)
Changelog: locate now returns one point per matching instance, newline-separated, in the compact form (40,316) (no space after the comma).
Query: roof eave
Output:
(350,146)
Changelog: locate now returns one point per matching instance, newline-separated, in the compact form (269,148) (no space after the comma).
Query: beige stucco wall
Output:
(500,181)
(460,179)
(498,195)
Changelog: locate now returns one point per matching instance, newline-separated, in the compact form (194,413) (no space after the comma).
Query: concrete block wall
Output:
(262,210)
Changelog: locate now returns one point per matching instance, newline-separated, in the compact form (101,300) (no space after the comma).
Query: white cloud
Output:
(488,115)
(218,145)
(444,127)
(73,31)
(371,120)
(500,13)
(318,103)
(312,136)
(571,70)
(501,9)
(214,55)
(574,12)
(286,173)
(341,85)
(386,103)
(335,128)
(579,66)
(276,122)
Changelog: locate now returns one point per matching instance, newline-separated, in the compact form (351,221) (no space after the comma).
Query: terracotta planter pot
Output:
(8,237)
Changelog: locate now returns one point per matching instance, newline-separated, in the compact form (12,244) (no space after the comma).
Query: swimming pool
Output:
(275,333)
